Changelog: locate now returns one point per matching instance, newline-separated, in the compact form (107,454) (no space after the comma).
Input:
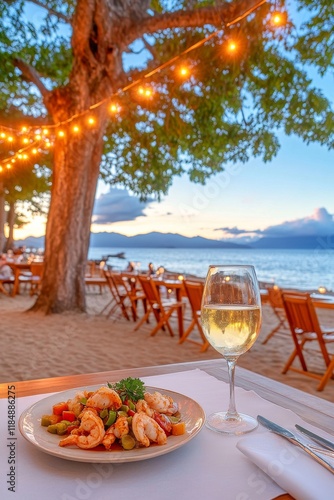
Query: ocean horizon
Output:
(302,269)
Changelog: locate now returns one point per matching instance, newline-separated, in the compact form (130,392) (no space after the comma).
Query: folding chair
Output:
(113,304)
(276,303)
(134,293)
(305,328)
(37,271)
(194,292)
(161,308)
(121,295)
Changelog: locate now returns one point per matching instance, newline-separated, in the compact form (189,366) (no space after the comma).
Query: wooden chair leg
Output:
(327,376)
(187,332)
(297,352)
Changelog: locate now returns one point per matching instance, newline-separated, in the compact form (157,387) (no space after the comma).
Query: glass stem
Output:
(232,413)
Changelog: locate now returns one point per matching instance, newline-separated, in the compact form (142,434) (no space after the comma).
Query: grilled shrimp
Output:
(161,403)
(104,398)
(143,406)
(75,404)
(119,429)
(89,434)
(146,430)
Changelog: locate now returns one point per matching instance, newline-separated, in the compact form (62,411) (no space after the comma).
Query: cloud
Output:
(117,205)
(320,223)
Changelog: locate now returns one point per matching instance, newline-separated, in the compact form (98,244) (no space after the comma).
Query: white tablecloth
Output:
(209,466)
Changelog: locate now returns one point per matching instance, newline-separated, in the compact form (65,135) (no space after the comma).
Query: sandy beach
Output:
(38,346)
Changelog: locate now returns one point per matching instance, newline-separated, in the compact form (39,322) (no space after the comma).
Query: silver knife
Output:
(317,439)
(294,440)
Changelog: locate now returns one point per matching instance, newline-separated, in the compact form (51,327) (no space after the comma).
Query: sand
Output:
(38,346)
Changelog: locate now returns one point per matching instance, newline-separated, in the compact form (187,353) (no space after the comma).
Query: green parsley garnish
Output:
(129,388)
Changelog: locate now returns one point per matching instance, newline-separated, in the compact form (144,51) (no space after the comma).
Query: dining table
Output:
(209,465)
(19,268)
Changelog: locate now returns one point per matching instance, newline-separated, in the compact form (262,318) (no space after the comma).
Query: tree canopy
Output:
(118,64)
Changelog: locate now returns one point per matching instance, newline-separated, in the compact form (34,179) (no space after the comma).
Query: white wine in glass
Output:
(231,321)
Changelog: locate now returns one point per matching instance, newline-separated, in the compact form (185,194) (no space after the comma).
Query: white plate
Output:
(30,427)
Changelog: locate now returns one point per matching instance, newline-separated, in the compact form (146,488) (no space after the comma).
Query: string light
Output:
(114,108)
(143,91)
(232,46)
(278,18)
(183,71)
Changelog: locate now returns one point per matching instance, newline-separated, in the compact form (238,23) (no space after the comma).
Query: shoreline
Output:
(37,346)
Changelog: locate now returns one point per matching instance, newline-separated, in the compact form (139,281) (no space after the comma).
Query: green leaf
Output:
(129,388)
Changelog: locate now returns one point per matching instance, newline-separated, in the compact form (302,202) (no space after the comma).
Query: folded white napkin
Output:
(289,466)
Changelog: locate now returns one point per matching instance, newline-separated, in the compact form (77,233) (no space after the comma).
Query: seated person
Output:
(131,267)
(151,270)
(5,270)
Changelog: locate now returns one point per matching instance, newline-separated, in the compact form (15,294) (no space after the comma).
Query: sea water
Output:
(303,269)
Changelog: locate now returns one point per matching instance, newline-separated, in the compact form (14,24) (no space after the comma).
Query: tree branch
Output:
(218,16)
(52,11)
(31,74)
(149,47)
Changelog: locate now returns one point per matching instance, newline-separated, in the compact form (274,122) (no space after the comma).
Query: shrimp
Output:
(89,434)
(119,429)
(146,430)
(161,403)
(104,398)
(75,404)
(141,405)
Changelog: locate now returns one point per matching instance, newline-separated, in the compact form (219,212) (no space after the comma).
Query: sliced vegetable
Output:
(104,413)
(164,422)
(111,418)
(128,442)
(59,408)
(69,415)
(50,419)
(178,429)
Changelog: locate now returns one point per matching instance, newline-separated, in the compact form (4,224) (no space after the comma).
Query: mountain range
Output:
(171,240)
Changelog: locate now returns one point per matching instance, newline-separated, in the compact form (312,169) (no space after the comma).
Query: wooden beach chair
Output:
(162,308)
(276,302)
(305,329)
(194,292)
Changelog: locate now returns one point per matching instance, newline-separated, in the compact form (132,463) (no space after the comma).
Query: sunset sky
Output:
(293,194)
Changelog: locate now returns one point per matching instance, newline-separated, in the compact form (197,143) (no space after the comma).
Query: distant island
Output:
(171,240)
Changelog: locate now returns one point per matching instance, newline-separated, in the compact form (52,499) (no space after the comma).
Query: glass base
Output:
(233,426)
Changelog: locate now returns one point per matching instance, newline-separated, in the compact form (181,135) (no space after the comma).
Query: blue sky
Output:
(293,194)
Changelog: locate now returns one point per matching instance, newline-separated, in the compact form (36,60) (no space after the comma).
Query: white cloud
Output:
(320,223)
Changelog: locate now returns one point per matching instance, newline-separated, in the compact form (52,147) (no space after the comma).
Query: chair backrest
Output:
(37,268)
(150,290)
(275,297)
(300,313)
(194,292)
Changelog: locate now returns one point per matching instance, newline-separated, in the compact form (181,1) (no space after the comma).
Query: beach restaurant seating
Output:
(194,293)
(305,329)
(134,293)
(4,282)
(162,308)
(37,270)
(119,294)
(276,302)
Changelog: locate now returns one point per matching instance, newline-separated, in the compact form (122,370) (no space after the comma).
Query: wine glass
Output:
(231,321)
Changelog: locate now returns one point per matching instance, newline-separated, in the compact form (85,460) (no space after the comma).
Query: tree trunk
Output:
(2,218)
(76,170)
(10,222)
